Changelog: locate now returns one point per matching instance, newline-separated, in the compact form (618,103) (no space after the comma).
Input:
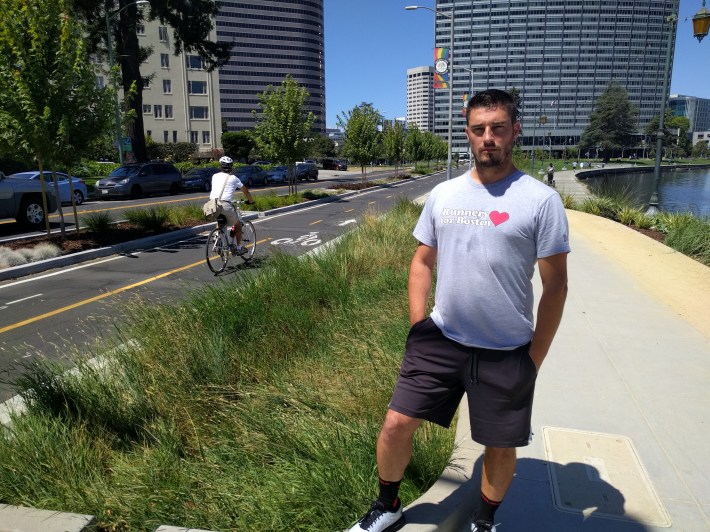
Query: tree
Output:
(612,123)
(675,132)
(283,127)
(393,144)
(433,147)
(701,150)
(191,21)
(362,138)
(413,144)
(321,147)
(517,99)
(238,145)
(50,108)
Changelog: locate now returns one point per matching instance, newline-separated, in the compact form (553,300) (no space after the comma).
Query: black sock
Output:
(487,509)
(388,493)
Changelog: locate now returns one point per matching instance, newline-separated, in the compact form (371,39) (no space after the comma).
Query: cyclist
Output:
(227,189)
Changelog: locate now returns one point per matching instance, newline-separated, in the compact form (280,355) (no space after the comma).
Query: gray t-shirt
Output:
(488,239)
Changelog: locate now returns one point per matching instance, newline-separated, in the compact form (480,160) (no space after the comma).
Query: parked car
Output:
(77,185)
(143,179)
(261,163)
(277,174)
(21,199)
(251,175)
(334,164)
(306,170)
(199,178)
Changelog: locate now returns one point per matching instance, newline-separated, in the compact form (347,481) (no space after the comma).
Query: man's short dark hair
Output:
(493,98)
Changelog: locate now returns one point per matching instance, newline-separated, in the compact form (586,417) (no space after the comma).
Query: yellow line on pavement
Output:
(102,296)
(316,222)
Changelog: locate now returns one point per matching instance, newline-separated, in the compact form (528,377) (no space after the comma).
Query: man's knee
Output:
(397,425)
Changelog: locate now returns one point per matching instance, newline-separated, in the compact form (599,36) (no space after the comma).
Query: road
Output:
(72,310)
(10,229)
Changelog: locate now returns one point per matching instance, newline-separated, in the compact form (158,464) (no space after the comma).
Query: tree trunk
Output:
(128,53)
(44,195)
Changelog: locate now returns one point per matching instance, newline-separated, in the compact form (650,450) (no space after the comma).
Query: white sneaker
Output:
(482,526)
(377,519)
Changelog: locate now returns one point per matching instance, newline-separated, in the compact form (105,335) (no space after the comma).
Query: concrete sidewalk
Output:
(621,419)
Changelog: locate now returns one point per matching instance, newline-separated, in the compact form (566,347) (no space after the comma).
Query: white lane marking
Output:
(61,271)
(21,300)
(346,222)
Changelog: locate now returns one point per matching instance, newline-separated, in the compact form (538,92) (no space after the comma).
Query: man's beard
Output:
(494,159)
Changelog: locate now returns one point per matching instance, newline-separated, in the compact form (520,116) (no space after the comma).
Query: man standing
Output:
(484,232)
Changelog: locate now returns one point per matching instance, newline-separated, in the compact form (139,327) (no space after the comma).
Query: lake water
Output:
(680,190)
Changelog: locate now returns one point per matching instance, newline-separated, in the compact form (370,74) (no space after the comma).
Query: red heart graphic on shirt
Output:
(499,217)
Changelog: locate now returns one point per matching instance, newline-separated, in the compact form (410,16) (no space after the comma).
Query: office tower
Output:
(420,97)
(696,110)
(561,56)
(271,40)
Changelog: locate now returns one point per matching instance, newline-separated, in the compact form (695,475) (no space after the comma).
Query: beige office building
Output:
(420,97)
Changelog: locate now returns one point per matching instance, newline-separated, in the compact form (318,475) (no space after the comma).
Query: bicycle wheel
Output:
(248,239)
(217,251)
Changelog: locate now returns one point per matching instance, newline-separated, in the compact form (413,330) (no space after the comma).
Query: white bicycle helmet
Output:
(226,162)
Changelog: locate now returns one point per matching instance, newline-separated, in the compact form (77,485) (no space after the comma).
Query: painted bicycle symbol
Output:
(310,239)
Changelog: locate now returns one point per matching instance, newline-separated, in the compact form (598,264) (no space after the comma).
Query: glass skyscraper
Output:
(560,55)
(272,39)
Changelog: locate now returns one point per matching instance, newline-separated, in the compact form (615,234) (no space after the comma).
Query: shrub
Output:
(568,201)
(151,219)
(97,221)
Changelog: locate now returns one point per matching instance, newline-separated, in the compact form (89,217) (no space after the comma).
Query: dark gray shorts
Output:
(500,385)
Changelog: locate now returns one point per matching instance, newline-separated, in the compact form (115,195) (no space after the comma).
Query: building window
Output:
(197,87)
(147,109)
(165,137)
(174,136)
(193,137)
(158,111)
(199,113)
(148,133)
(205,137)
(168,111)
(140,29)
(195,62)
(146,83)
(100,83)
(163,33)
(167,87)
(164,61)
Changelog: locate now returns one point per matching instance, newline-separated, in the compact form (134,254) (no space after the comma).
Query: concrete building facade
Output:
(559,55)
(420,97)
(272,39)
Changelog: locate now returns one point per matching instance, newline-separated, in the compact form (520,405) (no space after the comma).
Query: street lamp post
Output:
(451,76)
(653,202)
(109,44)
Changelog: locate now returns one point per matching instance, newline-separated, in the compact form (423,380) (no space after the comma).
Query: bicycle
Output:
(217,250)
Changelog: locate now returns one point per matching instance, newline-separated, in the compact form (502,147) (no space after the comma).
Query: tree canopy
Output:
(50,108)
(283,127)
(675,132)
(612,123)
(362,136)
(393,144)
(191,21)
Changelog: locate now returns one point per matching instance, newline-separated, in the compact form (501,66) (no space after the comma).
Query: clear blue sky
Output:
(370,44)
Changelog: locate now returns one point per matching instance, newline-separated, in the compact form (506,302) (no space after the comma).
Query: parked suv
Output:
(307,170)
(21,199)
(334,164)
(143,179)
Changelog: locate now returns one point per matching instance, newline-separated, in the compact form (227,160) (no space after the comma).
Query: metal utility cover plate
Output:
(600,475)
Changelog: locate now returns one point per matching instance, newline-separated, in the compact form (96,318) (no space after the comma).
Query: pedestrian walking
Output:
(551,175)
(483,232)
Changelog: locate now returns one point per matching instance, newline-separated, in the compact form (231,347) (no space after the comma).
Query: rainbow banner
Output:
(465,101)
(441,79)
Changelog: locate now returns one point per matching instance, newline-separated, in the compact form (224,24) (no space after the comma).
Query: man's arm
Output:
(420,281)
(553,273)
(244,190)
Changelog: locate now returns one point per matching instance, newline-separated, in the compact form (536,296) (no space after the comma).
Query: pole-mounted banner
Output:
(442,58)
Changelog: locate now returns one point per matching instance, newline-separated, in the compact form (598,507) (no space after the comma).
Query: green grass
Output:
(254,404)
